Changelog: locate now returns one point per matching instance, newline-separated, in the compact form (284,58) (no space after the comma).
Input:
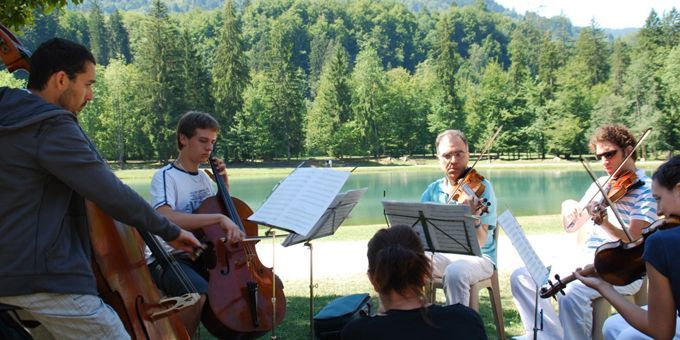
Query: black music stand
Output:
(299,201)
(327,225)
(443,228)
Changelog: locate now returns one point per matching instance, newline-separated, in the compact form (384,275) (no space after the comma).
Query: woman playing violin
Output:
(637,208)
(460,271)
(658,320)
(177,190)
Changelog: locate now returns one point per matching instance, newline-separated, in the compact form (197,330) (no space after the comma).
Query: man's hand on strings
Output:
(477,206)
(222,170)
(597,212)
(234,233)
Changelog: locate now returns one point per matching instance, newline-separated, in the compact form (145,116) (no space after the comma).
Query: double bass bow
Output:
(245,298)
(123,279)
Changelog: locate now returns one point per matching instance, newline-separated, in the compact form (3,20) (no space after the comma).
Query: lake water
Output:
(525,192)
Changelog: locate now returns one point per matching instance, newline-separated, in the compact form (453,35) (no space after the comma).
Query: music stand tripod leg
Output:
(308,244)
(536,317)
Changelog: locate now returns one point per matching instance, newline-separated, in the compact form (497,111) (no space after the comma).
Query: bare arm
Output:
(193,222)
(482,233)
(635,229)
(658,321)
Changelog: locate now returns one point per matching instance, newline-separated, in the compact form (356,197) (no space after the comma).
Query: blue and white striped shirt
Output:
(637,204)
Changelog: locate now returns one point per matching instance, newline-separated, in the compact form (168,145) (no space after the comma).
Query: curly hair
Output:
(615,134)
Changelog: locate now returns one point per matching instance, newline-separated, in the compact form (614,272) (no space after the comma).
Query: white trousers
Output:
(617,328)
(69,316)
(458,272)
(575,319)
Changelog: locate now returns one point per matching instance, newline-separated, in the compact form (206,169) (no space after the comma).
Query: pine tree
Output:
(119,41)
(229,75)
(99,36)
(159,60)
(447,109)
(368,86)
(332,105)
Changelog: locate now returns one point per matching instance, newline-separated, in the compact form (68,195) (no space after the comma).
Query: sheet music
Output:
(539,273)
(300,199)
(450,227)
(332,218)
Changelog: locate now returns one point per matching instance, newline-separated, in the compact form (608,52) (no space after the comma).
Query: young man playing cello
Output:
(48,168)
(658,320)
(637,208)
(177,190)
(460,271)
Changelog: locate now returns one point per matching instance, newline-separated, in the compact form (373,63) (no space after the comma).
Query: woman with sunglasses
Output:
(637,208)
(658,320)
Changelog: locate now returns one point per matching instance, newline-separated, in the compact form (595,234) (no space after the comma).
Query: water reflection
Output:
(526,192)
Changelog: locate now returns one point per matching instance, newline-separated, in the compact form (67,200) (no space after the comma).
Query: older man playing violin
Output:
(636,207)
(460,271)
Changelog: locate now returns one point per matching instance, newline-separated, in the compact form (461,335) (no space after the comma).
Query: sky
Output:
(607,13)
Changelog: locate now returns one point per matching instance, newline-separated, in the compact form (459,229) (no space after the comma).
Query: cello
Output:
(245,298)
(123,280)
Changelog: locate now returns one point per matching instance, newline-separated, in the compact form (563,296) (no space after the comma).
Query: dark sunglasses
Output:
(609,154)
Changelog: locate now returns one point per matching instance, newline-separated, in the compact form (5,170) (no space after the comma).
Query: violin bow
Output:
(642,138)
(600,187)
(485,150)
(604,194)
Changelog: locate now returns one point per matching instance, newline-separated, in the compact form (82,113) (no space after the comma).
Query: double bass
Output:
(245,298)
(123,279)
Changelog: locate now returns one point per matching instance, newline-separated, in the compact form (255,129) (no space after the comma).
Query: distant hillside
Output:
(187,5)
(620,32)
(552,24)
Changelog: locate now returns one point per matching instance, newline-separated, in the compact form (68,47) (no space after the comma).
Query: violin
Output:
(618,188)
(621,263)
(245,298)
(123,279)
(622,184)
(617,262)
(470,185)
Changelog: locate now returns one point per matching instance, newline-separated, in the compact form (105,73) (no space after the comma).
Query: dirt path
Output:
(338,259)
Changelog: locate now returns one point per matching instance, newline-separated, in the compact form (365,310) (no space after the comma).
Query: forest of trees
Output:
(291,78)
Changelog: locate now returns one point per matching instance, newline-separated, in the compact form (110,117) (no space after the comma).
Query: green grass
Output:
(532,225)
(296,323)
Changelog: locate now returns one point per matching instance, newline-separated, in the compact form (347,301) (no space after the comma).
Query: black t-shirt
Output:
(434,322)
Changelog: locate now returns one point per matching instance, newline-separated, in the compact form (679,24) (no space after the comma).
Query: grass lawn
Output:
(296,323)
